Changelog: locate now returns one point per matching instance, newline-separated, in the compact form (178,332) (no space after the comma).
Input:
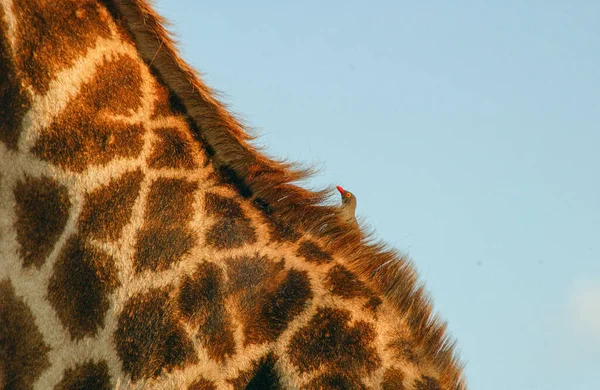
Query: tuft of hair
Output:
(270,184)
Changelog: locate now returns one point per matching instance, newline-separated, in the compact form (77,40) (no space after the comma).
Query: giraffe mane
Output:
(270,185)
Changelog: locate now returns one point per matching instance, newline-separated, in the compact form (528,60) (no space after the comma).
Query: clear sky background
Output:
(469,132)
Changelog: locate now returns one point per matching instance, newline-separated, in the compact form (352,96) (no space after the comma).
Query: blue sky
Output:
(469,133)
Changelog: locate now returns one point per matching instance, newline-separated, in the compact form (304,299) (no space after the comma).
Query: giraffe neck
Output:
(144,243)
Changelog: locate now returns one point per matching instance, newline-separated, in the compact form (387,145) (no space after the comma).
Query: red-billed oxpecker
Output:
(346,210)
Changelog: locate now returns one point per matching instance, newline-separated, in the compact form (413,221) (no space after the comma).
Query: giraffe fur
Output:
(145,243)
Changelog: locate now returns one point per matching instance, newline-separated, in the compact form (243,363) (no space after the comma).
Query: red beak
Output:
(341,190)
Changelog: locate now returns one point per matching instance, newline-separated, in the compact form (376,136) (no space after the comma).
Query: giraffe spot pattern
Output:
(84,133)
(262,376)
(164,237)
(171,150)
(202,301)
(247,272)
(52,35)
(232,228)
(328,340)
(279,230)
(373,303)
(313,253)
(14,100)
(393,379)
(42,213)
(157,249)
(104,143)
(335,381)
(82,278)
(202,384)
(427,383)
(162,102)
(107,209)
(402,349)
(345,284)
(88,375)
(23,353)
(282,232)
(268,296)
(150,337)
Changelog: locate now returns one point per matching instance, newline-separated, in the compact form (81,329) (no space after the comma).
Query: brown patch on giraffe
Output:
(82,279)
(393,379)
(373,303)
(165,237)
(88,375)
(171,150)
(85,133)
(313,253)
(346,284)
(329,340)
(202,384)
(232,228)
(42,212)
(51,35)
(162,104)
(202,302)
(158,248)
(427,383)
(280,231)
(403,349)
(14,100)
(23,353)
(335,381)
(150,336)
(261,376)
(107,209)
(170,201)
(268,296)
(247,272)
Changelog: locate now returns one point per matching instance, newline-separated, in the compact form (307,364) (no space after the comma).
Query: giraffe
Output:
(144,243)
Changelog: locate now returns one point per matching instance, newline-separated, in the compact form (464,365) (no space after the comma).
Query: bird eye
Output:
(348,194)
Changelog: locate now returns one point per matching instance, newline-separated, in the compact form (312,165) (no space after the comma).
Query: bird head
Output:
(348,198)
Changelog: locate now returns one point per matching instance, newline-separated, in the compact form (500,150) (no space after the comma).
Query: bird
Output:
(348,207)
